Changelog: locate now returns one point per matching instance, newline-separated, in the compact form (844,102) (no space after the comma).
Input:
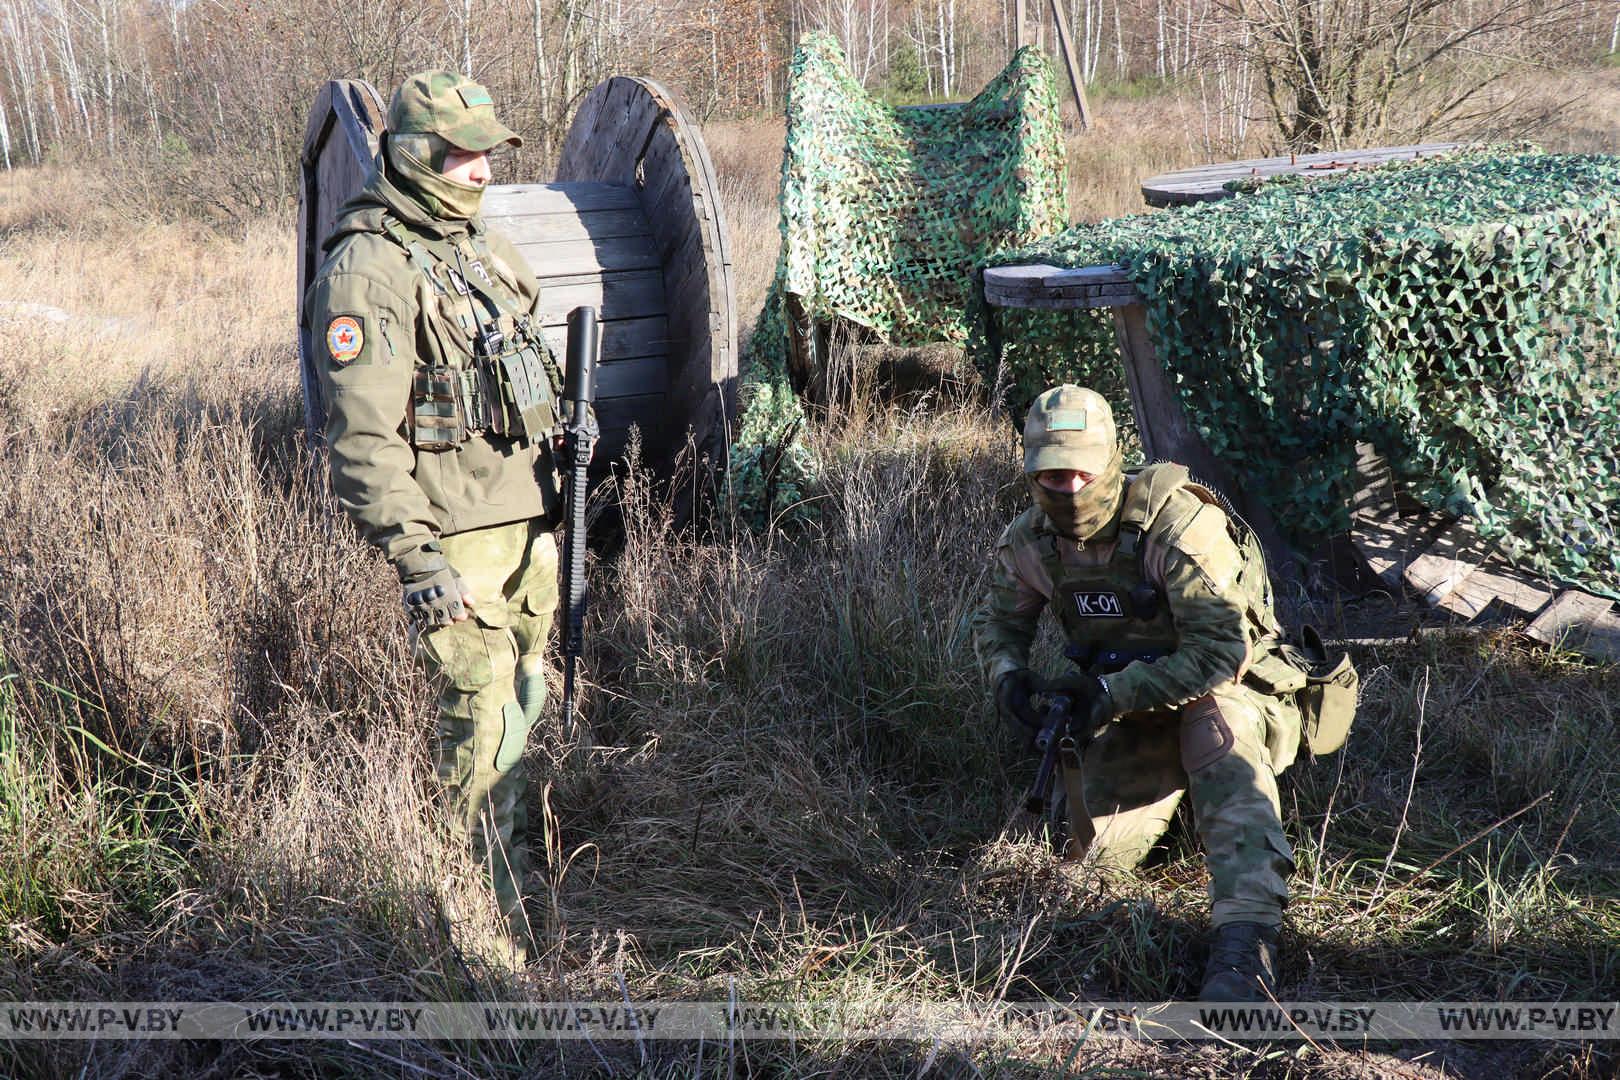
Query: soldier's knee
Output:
(1219,725)
(1206,734)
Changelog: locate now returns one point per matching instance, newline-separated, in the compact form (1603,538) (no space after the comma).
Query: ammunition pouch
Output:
(522,398)
(1324,688)
(510,394)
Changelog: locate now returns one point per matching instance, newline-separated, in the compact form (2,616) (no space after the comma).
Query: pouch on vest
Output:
(1273,675)
(436,415)
(1327,701)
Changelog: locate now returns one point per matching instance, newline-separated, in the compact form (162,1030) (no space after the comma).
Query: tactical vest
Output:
(500,377)
(1112,614)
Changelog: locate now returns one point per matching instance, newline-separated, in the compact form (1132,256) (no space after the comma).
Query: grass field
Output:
(214,779)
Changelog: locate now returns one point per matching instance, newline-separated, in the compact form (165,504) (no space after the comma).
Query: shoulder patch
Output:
(345,337)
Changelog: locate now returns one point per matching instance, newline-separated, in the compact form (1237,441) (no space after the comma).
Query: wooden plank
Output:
(666,181)
(1444,564)
(1207,182)
(339,144)
(1374,497)
(635,294)
(605,149)
(1581,622)
(630,378)
(590,256)
(621,340)
(616,415)
(1162,423)
(507,200)
(1388,545)
(583,225)
(705,181)
(1497,585)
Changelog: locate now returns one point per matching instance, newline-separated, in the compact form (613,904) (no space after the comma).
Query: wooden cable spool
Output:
(632,226)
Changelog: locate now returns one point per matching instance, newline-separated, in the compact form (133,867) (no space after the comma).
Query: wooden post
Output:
(1020,23)
(1162,424)
(1066,45)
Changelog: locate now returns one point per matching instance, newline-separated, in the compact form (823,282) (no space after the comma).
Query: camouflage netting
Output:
(886,214)
(1461,314)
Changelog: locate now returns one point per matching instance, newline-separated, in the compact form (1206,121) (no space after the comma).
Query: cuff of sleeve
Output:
(1126,692)
(1000,666)
(404,544)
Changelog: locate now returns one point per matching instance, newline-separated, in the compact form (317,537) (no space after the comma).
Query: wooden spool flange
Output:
(632,226)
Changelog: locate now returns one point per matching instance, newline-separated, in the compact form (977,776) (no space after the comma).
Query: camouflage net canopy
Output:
(1461,314)
(886,215)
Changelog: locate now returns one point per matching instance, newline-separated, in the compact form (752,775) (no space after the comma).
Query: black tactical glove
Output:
(1093,707)
(433,589)
(1013,691)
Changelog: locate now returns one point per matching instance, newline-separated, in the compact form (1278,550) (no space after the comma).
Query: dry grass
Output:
(214,781)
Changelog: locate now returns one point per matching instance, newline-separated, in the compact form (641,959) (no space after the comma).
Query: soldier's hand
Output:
(434,594)
(1013,692)
(1093,707)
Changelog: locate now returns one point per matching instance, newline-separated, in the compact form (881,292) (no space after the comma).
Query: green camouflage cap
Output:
(1069,427)
(455,108)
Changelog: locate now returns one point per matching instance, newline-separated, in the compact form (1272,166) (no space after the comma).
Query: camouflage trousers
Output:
(1226,749)
(489,676)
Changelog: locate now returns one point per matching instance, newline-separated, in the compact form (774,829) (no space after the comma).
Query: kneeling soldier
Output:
(1165,604)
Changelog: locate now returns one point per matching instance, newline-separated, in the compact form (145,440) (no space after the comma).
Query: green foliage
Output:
(1461,314)
(78,838)
(907,79)
(771,468)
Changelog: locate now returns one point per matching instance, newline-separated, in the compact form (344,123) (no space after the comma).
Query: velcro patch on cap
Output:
(1067,420)
(474,96)
(345,338)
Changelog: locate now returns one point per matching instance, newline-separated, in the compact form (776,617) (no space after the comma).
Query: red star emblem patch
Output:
(344,338)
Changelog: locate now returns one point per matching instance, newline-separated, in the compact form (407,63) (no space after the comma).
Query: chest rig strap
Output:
(514,382)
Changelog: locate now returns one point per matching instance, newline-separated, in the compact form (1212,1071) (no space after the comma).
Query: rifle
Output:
(579,439)
(1060,742)
(1049,741)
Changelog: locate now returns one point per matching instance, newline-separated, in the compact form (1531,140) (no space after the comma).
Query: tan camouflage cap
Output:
(450,106)
(1069,427)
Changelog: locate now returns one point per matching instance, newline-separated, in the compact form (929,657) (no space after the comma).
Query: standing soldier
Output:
(442,400)
(1166,609)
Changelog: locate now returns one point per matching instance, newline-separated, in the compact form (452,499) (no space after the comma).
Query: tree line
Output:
(212,95)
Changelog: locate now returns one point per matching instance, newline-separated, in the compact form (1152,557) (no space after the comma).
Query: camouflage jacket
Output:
(373,319)
(1208,624)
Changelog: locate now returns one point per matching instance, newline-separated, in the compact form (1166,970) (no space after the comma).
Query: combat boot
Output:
(1242,964)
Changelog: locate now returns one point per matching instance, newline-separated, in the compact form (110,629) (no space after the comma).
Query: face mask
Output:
(438,194)
(1082,514)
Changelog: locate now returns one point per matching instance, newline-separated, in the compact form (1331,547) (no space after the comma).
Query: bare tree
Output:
(1333,71)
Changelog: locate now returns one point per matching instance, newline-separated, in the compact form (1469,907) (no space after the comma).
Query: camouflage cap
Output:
(450,106)
(1069,427)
